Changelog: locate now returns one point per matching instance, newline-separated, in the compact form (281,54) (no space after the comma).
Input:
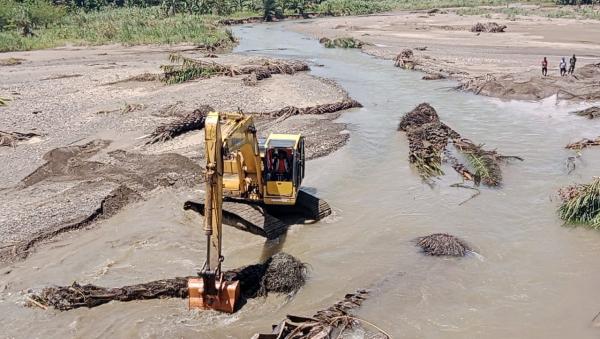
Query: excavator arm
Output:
(210,290)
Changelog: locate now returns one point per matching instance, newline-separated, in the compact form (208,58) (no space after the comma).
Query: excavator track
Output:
(314,208)
(268,221)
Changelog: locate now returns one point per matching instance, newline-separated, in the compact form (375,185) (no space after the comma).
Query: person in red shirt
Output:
(281,166)
(544,67)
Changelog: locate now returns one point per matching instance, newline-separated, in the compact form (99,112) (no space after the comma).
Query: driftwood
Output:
(443,244)
(185,69)
(12,138)
(331,322)
(590,112)
(193,121)
(282,273)
(583,143)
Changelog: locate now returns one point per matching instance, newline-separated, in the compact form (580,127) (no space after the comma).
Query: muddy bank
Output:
(87,141)
(582,85)
(504,65)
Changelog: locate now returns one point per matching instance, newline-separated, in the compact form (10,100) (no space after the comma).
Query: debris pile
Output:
(282,273)
(184,69)
(405,59)
(429,140)
(11,61)
(433,76)
(488,27)
(331,322)
(192,121)
(581,204)
(12,138)
(591,112)
(347,42)
(443,244)
(583,143)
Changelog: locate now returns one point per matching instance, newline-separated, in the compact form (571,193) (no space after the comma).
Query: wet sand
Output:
(450,48)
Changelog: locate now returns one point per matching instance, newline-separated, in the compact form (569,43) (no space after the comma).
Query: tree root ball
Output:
(284,274)
(443,244)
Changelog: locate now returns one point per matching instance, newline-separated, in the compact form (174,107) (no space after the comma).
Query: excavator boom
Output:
(210,290)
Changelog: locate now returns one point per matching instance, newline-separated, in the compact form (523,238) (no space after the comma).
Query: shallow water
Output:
(532,278)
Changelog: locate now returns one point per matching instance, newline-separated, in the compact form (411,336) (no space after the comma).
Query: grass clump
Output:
(581,204)
(186,69)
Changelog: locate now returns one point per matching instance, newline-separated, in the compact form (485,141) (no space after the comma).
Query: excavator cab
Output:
(283,162)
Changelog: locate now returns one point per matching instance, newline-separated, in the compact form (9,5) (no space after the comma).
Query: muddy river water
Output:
(532,278)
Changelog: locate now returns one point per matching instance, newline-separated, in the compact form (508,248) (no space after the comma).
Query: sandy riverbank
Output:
(504,65)
(91,159)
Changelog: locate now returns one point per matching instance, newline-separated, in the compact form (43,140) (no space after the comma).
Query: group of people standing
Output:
(562,65)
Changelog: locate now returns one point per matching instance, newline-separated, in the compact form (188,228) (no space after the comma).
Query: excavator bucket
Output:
(223,298)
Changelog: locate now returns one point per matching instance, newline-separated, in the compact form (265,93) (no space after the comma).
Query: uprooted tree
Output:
(185,69)
(281,273)
(431,142)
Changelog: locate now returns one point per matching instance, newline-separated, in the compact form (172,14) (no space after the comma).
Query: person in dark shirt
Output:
(572,62)
(545,67)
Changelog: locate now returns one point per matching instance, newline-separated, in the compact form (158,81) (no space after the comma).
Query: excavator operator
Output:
(281,166)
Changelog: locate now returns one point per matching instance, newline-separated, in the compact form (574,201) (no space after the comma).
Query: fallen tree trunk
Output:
(281,273)
(289,111)
(192,121)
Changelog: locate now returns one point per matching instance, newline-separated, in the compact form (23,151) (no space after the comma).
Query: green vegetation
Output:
(581,204)
(35,24)
(128,26)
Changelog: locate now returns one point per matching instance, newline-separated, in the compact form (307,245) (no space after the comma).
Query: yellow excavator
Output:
(251,182)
